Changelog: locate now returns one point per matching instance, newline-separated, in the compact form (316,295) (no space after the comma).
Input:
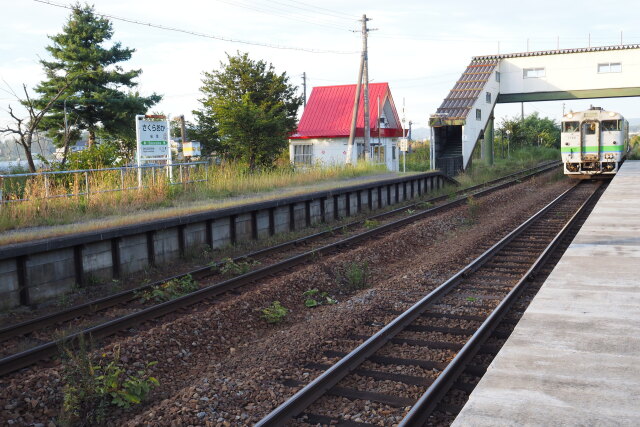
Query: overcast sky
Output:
(419,47)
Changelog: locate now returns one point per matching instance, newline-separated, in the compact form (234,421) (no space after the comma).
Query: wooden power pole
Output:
(363,72)
(304,87)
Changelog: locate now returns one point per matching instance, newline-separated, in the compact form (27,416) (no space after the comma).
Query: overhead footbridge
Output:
(466,114)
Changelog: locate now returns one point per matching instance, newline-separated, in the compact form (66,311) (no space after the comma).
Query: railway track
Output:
(441,346)
(327,241)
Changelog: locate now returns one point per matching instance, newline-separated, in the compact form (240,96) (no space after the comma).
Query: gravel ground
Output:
(225,366)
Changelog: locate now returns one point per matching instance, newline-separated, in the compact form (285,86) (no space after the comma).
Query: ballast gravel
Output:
(225,366)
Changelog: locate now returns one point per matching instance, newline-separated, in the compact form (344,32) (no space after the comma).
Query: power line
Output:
(194,33)
(315,9)
(279,12)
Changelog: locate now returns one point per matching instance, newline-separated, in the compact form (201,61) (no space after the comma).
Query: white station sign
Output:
(404,144)
(153,139)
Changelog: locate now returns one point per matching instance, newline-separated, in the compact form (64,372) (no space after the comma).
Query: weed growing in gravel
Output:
(473,206)
(472,299)
(93,385)
(411,211)
(424,205)
(275,313)
(314,298)
(230,268)
(354,276)
(371,223)
(172,289)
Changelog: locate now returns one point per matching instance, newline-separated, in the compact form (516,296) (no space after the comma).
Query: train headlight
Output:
(570,115)
(611,113)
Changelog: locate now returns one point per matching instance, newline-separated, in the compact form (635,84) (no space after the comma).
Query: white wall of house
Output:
(332,151)
(571,71)
(473,126)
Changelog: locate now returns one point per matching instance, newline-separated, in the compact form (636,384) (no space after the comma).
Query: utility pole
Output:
(367,128)
(304,87)
(364,70)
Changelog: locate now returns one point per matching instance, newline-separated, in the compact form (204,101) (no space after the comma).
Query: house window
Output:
(393,152)
(533,73)
(478,114)
(610,67)
(498,76)
(302,154)
(378,153)
(488,96)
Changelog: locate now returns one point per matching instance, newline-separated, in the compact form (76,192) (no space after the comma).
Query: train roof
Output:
(592,113)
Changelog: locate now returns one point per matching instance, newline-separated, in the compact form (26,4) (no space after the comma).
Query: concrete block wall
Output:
(31,273)
(9,287)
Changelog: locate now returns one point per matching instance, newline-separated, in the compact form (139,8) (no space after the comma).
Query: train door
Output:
(590,142)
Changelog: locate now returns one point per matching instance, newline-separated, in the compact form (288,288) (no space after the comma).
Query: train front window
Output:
(569,127)
(589,128)
(611,125)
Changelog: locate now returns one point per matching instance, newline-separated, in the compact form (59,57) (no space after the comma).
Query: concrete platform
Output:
(574,358)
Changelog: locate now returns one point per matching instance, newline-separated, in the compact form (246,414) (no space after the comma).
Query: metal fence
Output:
(85,182)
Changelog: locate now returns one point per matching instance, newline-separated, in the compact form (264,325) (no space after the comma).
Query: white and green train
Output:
(593,143)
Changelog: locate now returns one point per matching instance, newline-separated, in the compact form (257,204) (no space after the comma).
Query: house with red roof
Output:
(323,132)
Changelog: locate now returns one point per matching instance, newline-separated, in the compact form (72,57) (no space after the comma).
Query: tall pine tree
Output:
(95,100)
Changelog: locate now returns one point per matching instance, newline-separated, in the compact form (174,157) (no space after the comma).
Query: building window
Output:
(393,152)
(478,114)
(378,154)
(302,154)
(488,96)
(498,76)
(610,67)
(533,73)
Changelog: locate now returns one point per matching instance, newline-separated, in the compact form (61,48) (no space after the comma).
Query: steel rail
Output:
(333,375)
(420,412)
(25,358)
(100,304)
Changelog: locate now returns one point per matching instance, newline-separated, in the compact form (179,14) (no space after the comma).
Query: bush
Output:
(230,268)
(104,155)
(93,385)
(354,276)
(275,313)
(172,289)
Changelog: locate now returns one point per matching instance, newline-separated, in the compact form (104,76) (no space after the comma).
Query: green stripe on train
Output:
(593,149)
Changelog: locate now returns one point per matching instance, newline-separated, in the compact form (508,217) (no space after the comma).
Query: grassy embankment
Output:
(158,200)
(479,171)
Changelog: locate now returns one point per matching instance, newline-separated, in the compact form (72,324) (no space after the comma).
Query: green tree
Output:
(531,131)
(95,101)
(250,108)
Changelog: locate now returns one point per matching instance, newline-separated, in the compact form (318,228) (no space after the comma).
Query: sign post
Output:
(152,135)
(404,147)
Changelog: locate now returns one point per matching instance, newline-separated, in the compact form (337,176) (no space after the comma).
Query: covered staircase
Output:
(461,119)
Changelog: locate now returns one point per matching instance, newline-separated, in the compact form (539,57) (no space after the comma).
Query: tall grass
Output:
(222,182)
(522,158)
(419,158)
